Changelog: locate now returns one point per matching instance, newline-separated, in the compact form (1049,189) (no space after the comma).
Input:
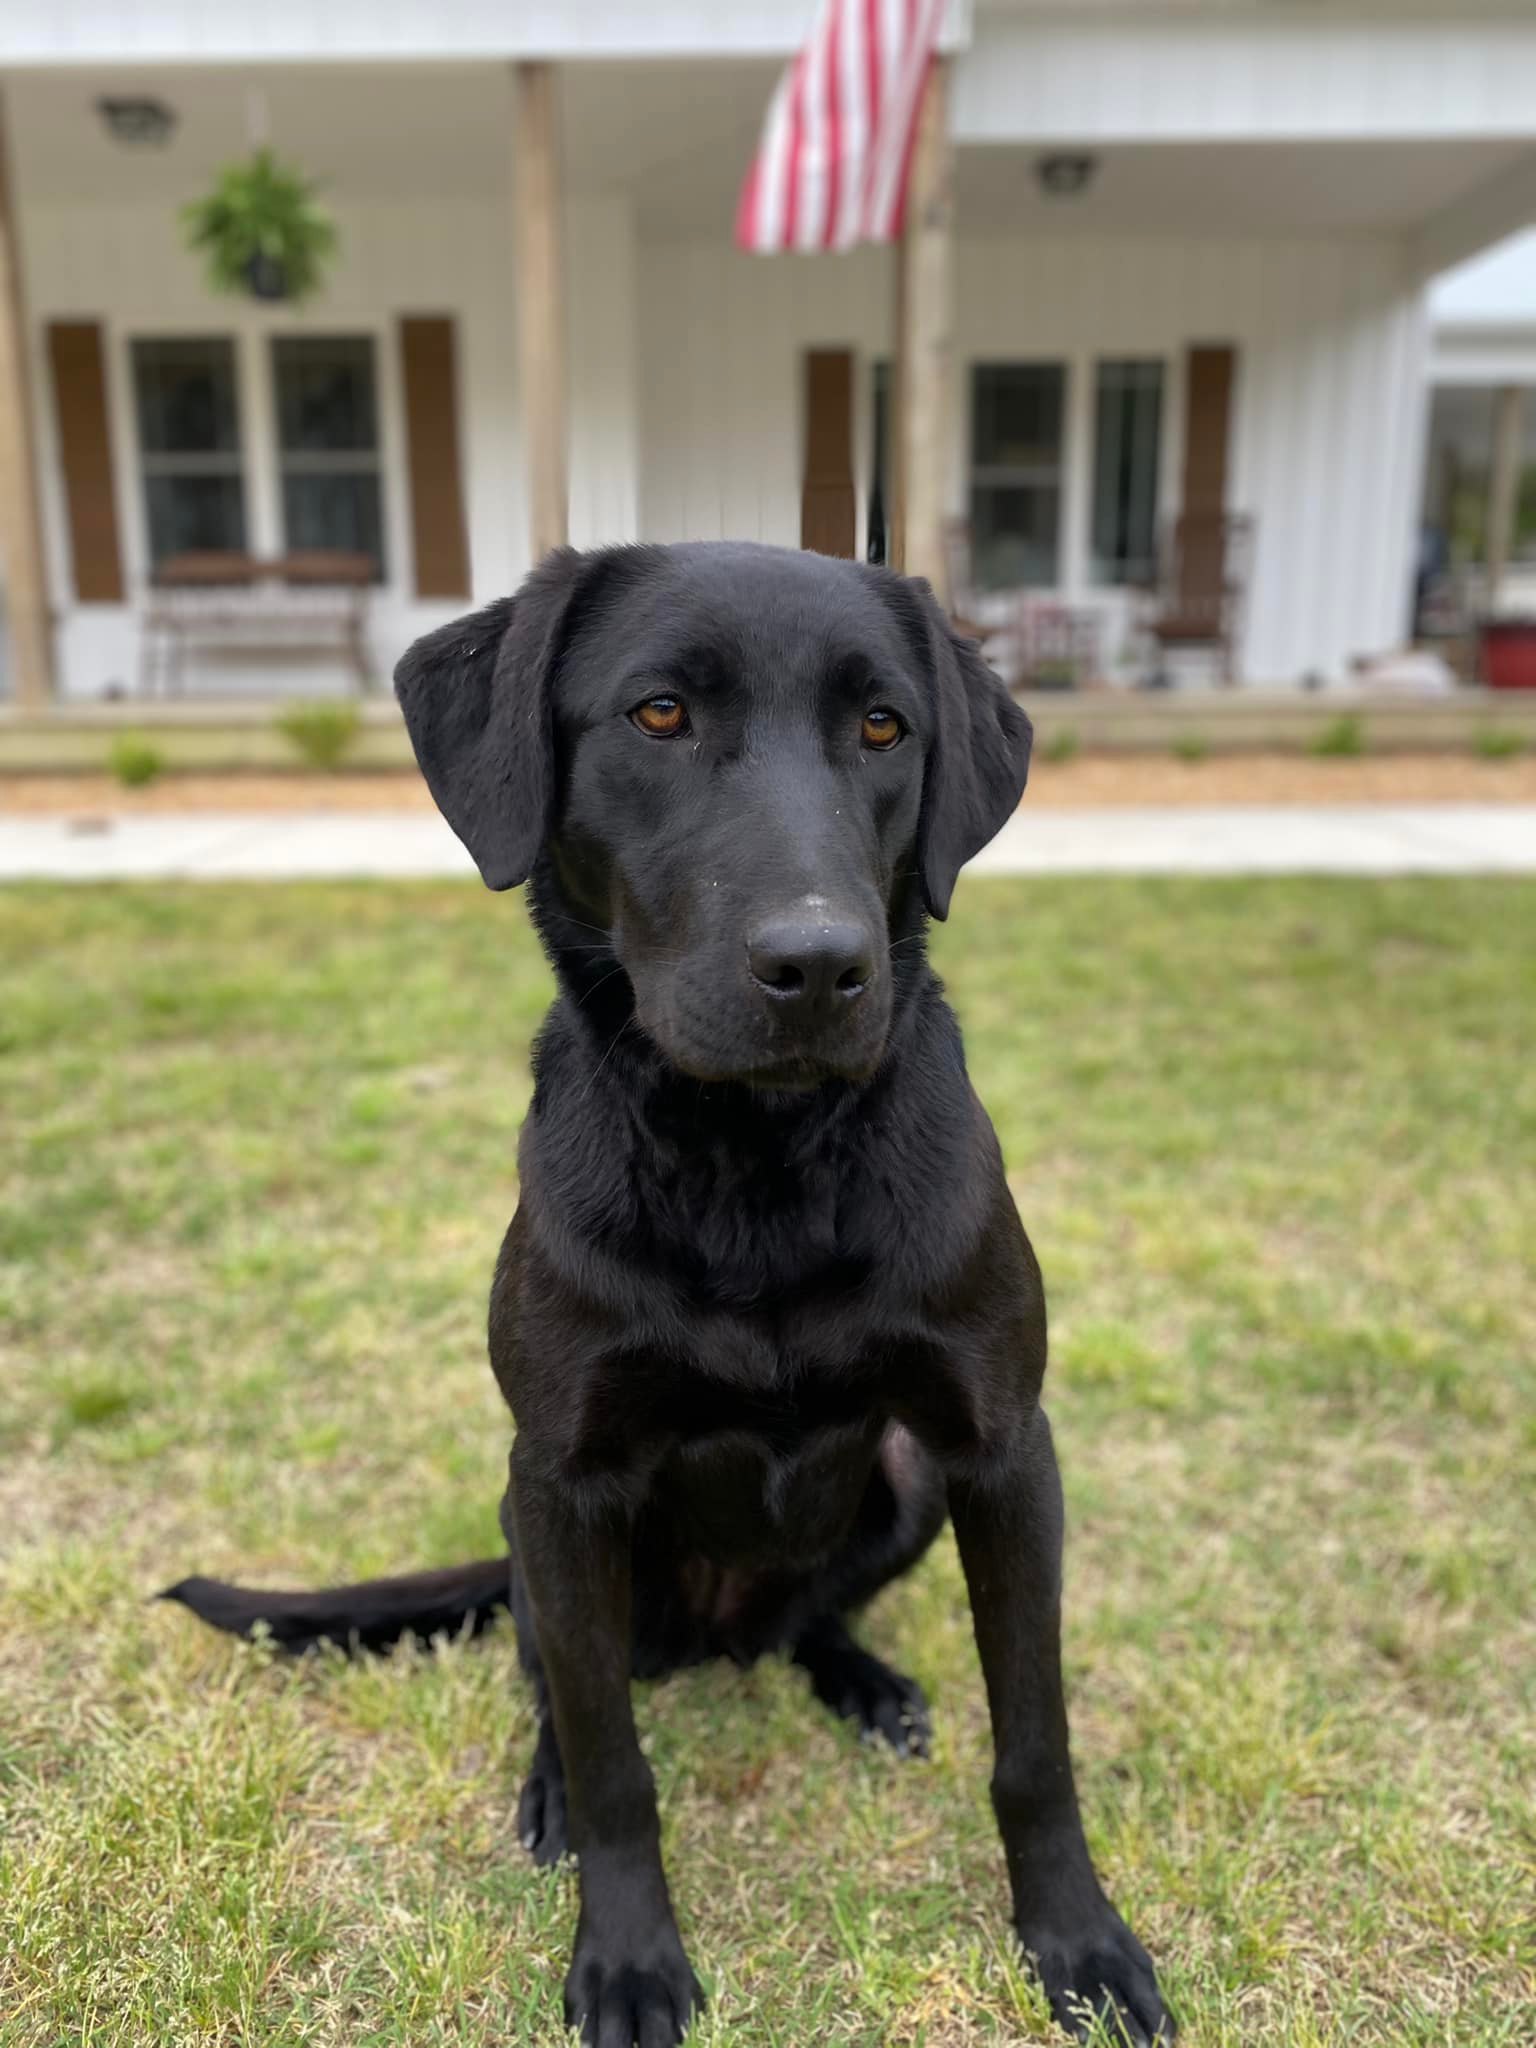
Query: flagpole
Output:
(922,361)
(896,523)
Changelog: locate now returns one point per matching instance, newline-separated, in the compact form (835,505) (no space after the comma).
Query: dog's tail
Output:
(372,1616)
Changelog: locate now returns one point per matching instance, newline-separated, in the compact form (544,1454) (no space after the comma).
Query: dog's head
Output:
(751,772)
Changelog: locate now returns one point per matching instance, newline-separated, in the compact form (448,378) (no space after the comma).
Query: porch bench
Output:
(311,599)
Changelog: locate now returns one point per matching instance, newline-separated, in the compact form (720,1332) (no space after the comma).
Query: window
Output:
(189,445)
(328,443)
(1459,478)
(1127,431)
(1016,429)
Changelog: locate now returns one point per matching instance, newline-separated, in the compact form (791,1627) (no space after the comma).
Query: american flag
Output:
(832,166)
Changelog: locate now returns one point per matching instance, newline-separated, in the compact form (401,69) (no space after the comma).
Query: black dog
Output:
(765,1311)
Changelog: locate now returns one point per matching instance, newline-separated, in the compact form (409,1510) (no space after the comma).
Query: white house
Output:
(1192,248)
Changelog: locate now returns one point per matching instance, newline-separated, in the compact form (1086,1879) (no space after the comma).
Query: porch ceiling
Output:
(1231,188)
(676,138)
(686,183)
(365,131)
(392,131)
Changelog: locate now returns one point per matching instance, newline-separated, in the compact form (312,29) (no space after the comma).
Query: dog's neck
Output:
(740,1196)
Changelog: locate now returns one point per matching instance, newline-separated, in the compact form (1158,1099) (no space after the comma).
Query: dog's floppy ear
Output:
(978,761)
(476,697)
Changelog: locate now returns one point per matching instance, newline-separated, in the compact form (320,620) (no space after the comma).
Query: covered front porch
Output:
(1190,332)
(538,329)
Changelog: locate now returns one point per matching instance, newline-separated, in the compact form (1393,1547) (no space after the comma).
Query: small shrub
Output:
(1062,746)
(1498,743)
(134,761)
(89,1403)
(321,734)
(1191,747)
(1341,738)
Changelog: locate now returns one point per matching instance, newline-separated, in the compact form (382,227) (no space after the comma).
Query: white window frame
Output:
(252,329)
(339,461)
(142,462)
(1074,552)
(1095,364)
(1002,474)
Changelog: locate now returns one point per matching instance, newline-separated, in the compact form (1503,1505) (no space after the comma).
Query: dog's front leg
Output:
(1008,1521)
(629,1981)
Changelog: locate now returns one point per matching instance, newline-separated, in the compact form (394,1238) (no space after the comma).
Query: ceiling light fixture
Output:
(1065,176)
(138,123)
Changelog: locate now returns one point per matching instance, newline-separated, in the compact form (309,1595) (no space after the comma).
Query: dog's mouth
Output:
(725,1036)
(791,1076)
(789,1072)
(801,1075)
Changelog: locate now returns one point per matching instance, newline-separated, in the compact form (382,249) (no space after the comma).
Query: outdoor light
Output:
(1065,176)
(139,123)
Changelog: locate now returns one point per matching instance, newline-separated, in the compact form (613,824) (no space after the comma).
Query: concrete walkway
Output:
(1363,839)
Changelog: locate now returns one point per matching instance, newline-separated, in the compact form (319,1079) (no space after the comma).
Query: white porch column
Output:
(21,541)
(1074,548)
(540,285)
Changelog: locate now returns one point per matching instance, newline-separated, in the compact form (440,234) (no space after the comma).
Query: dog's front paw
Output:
(1100,1971)
(631,2001)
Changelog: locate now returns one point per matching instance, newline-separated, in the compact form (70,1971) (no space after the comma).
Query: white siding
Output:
(1329,407)
(722,339)
(142,31)
(600,340)
(126,266)
(1274,74)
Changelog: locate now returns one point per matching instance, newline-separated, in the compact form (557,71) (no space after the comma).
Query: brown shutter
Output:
(438,540)
(828,516)
(1209,375)
(77,361)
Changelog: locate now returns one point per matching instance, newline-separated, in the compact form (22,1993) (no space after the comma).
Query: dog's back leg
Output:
(860,1687)
(541,1813)
(902,1511)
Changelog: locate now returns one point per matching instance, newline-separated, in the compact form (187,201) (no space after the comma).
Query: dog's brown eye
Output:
(881,728)
(660,716)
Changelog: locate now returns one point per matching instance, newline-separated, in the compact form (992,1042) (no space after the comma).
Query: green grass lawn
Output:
(1275,1144)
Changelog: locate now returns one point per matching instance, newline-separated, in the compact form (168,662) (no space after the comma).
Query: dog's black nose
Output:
(811,960)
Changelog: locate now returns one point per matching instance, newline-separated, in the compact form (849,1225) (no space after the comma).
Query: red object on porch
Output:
(1507,654)
(835,158)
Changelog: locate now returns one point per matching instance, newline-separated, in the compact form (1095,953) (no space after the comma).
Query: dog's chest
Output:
(780,1488)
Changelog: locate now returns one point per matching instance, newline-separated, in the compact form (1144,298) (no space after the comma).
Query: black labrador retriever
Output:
(765,1312)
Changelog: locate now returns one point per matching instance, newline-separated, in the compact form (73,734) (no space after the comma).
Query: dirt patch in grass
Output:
(1085,780)
(1092,779)
(101,796)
